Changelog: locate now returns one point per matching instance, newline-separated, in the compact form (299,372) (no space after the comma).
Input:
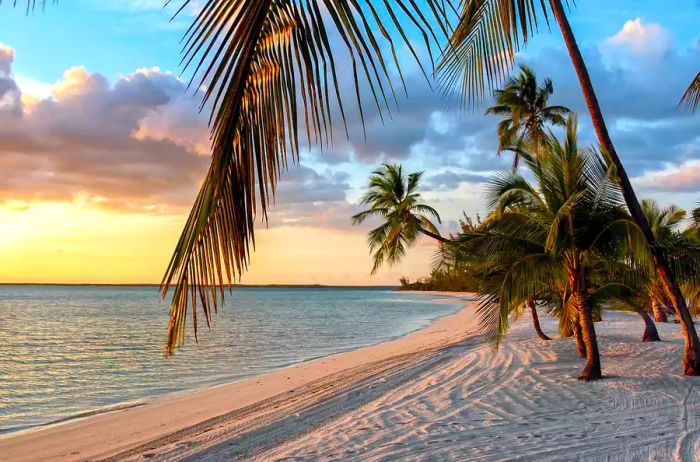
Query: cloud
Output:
(10,97)
(646,41)
(450,179)
(80,144)
(675,178)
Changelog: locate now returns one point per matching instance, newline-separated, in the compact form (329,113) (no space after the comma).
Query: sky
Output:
(102,148)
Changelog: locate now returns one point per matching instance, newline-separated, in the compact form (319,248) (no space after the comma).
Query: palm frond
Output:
(481,50)
(691,98)
(269,73)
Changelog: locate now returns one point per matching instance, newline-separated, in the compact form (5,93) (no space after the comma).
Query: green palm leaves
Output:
(481,50)
(523,104)
(269,73)
(691,97)
(539,233)
(393,198)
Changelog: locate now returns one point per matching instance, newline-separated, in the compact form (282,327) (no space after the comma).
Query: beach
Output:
(440,393)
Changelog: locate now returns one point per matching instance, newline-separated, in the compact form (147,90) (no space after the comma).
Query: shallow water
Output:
(68,350)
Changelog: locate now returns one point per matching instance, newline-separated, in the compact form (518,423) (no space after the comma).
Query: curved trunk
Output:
(650,332)
(658,310)
(536,320)
(578,338)
(691,358)
(592,371)
(437,237)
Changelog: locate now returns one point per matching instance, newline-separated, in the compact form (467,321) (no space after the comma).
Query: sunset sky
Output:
(102,148)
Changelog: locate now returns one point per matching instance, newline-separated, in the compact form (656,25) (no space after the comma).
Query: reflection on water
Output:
(67,350)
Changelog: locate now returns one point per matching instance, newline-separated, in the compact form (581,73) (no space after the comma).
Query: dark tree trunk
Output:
(659,311)
(536,320)
(578,338)
(650,332)
(437,237)
(592,371)
(691,357)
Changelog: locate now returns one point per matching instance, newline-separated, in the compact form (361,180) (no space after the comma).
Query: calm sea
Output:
(70,350)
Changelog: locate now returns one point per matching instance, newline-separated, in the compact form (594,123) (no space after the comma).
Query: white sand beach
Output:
(441,393)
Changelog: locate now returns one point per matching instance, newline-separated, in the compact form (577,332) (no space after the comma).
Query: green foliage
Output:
(523,104)
(457,280)
(569,221)
(393,197)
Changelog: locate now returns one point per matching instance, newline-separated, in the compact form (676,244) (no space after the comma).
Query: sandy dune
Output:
(438,394)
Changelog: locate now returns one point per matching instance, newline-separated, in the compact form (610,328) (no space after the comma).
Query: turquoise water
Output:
(69,350)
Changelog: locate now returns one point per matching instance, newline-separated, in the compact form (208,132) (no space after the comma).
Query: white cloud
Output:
(637,42)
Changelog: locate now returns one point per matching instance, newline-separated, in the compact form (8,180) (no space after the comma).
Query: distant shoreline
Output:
(258,286)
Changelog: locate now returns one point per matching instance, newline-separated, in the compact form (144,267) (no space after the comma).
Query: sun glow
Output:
(79,242)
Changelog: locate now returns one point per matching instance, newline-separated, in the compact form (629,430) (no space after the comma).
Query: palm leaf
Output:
(269,74)
(481,50)
(691,98)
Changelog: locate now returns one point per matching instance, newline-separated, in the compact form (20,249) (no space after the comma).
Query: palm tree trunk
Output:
(578,338)
(659,312)
(691,357)
(592,371)
(650,332)
(536,320)
(437,237)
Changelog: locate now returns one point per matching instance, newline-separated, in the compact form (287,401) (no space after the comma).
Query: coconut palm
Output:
(480,54)
(393,198)
(691,97)
(570,210)
(664,223)
(523,104)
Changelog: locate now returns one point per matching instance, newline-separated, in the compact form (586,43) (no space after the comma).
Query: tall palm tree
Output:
(480,54)
(524,105)
(691,97)
(664,222)
(393,198)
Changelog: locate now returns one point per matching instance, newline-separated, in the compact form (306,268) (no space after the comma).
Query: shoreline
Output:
(112,431)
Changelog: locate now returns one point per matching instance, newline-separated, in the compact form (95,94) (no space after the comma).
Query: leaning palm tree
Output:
(691,97)
(480,54)
(393,198)
(523,104)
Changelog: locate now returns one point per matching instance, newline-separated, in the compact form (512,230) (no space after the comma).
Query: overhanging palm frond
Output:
(691,98)
(269,73)
(482,47)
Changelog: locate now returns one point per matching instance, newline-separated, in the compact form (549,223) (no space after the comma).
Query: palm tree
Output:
(481,52)
(575,212)
(691,97)
(664,223)
(523,104)
(393,197)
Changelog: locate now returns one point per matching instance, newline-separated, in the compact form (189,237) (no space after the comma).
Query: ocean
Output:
(68,351)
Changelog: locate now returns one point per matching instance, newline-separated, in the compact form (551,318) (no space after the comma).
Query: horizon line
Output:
(227,286)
